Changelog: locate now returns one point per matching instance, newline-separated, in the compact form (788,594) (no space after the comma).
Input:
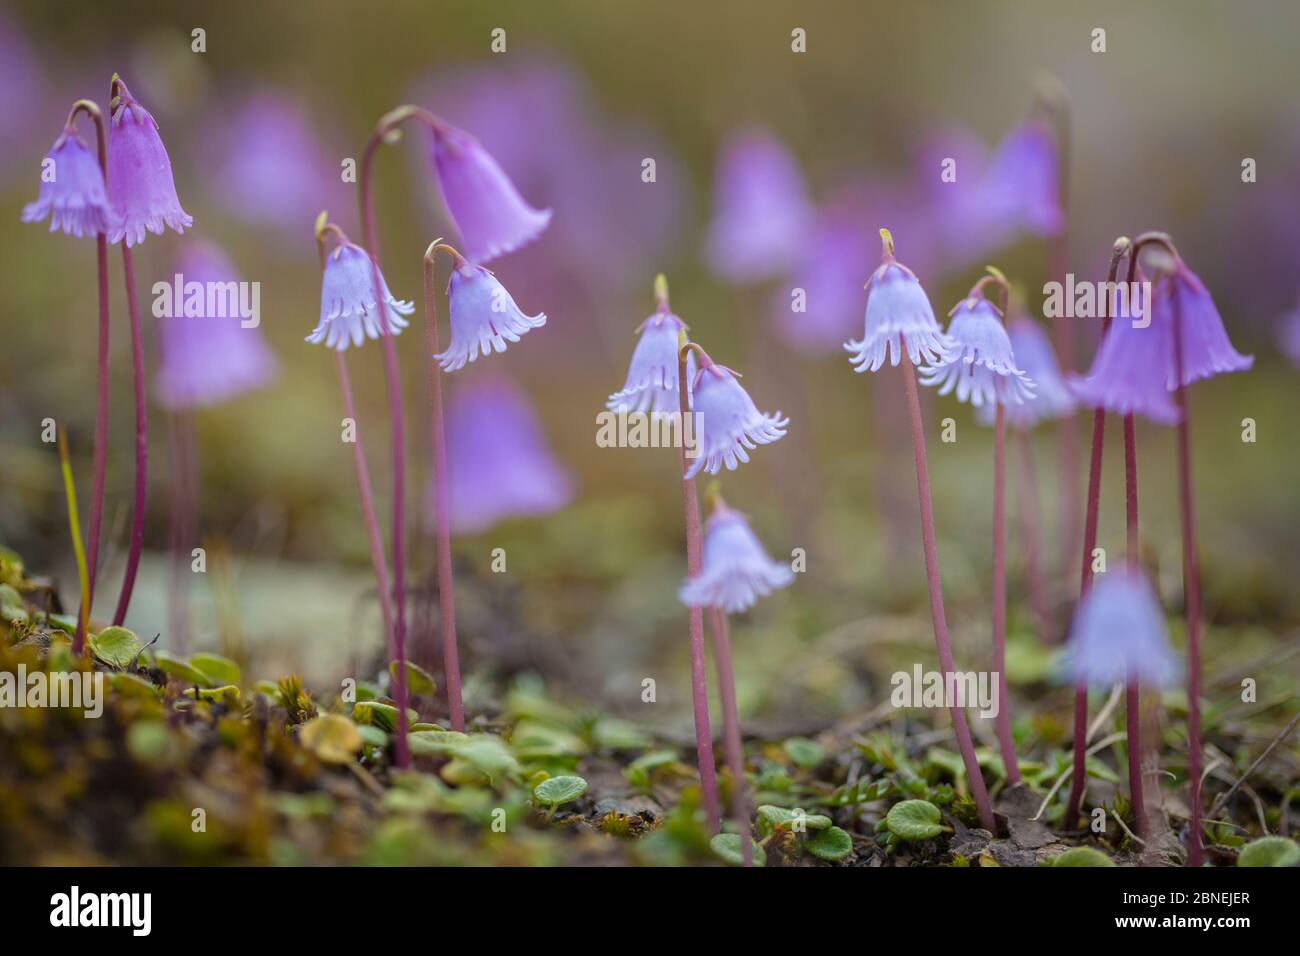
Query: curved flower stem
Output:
(141,439)
(694,565)
(392,373)
(731,731)
(380,566)
(446,600)
(74,524)
(964,743)
(1121,248)
(101,371)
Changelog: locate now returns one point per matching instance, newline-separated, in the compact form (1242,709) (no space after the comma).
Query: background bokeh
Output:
(257,128)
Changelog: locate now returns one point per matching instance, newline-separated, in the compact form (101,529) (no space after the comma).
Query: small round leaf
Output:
(914,820)
(558,790)
(1082,856)
(1269,851)
(833,844)
(727,846)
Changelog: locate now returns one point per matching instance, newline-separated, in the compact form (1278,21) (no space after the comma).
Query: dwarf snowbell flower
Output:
(492,217)
(898,317)
(1206,349)
(652,375)
(484,316)
(737,571)
(1119,633)
(1022,182)
(72,196)
(729,421)
(498,462)
(140,184)
(981,365)
(761,209)
(348,311)
(1127,374)
(1052,395)
(208,356)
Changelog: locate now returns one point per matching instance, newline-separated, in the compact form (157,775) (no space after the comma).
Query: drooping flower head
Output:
(981,366)
(208,354)
(1127,376)
(72,193)
(492,217)
(498,463)
(729,421)
(1119,630)
(348,311)
(484,316)
(651,384)
(1021,185)
(736,571)
(761,209)
(1053,397)
(899,317)
(140,184)
(1206,349)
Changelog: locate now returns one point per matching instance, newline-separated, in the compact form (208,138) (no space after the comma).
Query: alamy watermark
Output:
(919,688)
(1098,300)
(209,300)
(649,430)
(77,690)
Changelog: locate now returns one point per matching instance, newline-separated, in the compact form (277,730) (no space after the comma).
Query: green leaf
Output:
(558,790)
(331,737)
(181,670)
(11,604)
(833,844)
(1269,851)
(217,669)
(116,646)
(372,736)
(727,846)
(131,685)
(914,820)
(772,816)
(489,755)
(610,733)
(435,743)
(1081,856)
(640,771)
(383,716)
(229,694)
(418,680)
(804,752)
(532,739)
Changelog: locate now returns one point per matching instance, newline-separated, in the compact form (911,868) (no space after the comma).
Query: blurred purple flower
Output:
(1022,182)
(267,163)
(483,316)
(209,358)
(24,94)
(829,272)
(140,184)
(498,462)
(348,311)
(980,365)
(898,317)
(1120,630)
(737,571)
(651,384)
(729,421)
(761,209)
(492,217)
(1127,373)
(1289,335)
(1052,395)
(1206,349)
(75,199)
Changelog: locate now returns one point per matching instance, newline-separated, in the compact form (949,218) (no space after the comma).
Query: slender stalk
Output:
(964,743)
(694,565)
(1121,248)
(1030,522)
(380,566)
(183,517)
(397,421)
(731,730)
(446,600)
(1191,597)
(1005,740)
(141,439)
(101,368)
(1133,690)
(74,524)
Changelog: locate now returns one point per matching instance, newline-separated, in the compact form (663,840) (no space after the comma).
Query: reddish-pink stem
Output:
(699,673)
(1005,740)
(1133,691)
(183,501)
(442,518)
(141,439)
(398,425)
(1191,597)
(1030,522)
(368,507)
(962,730)
(731,731)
